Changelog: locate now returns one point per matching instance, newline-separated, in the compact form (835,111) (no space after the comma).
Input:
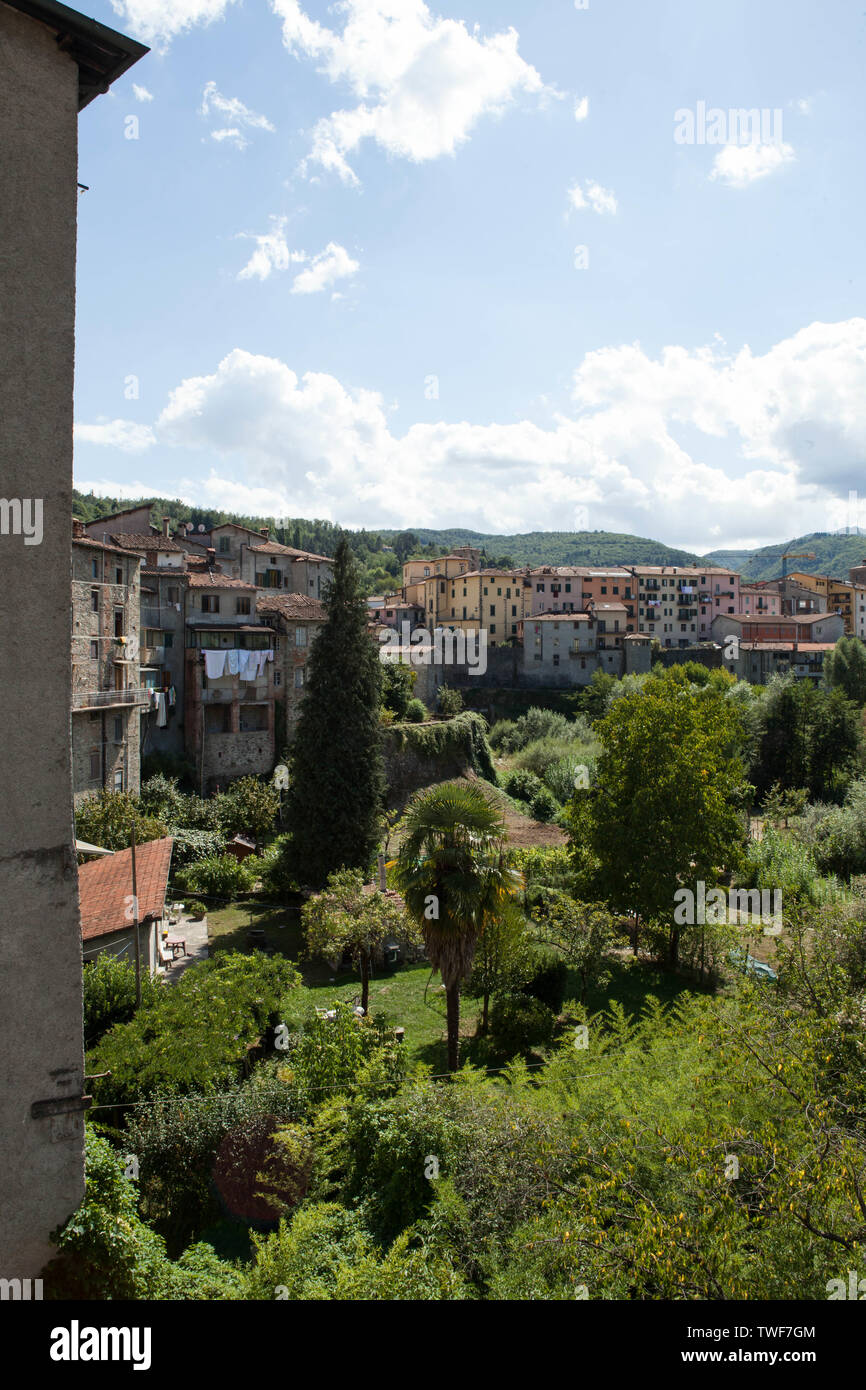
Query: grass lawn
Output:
(399,994)
(408,997)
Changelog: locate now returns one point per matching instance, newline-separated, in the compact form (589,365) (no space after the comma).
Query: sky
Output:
(494,264)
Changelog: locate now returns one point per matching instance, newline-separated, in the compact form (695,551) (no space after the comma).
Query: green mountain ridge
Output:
(382,549)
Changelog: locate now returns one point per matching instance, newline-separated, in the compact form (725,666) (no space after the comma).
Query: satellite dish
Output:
(201,526)
(281,777)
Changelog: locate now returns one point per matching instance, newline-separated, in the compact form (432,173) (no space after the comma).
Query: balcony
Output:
(103,699)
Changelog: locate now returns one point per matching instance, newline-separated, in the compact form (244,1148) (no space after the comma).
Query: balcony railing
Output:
(100,699)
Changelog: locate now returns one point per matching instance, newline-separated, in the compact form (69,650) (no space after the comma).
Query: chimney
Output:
(78,527)
(266,533)
(211,556)
(166,523)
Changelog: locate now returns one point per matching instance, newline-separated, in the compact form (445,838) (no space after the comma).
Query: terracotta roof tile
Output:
(144,540)
(105,886)
(211,580)
(291,606)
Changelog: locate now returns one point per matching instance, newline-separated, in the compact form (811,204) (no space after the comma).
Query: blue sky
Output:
(394,263)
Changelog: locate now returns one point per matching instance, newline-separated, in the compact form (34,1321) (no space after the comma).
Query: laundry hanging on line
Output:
(214,663)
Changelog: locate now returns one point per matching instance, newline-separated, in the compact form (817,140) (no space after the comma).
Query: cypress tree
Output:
(337,788)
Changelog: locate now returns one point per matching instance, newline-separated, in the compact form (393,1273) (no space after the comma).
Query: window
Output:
(118,574)
(300,636)
(172,594)
(464,610)
(94,600)
(539,588)
(118,622)
(94,766)
(568,588)
(299,677)
(94,568)
(217,719)
(513,611)
(210,603)
(242,605)
(442,586)
(278,678)
(168,639)
(118,728)
(253,718)
(492,627)
(118,780)
(94,651)
(493,610)
(225,544)
(556,658)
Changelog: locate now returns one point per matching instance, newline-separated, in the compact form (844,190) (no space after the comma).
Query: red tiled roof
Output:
(101,545)
(291,606)
(274,548)
(787,647)
(144,540)
(105,887)
(211,580)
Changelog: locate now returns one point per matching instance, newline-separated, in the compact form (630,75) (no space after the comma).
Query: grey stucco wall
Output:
(41,1057)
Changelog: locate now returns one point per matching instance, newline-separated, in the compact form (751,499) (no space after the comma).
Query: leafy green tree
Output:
(502,960)
(807,738)
(249,806)
(337,790)
(343,917)
(454,877)
(398,682)
(585,933)
(221,877)
(845,669)
(107,819)
(635,838)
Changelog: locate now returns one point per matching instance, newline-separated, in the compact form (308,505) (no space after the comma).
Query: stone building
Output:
(271,566)
(568,648)
(228,685)
(106,688)
(55,61)
(295,619)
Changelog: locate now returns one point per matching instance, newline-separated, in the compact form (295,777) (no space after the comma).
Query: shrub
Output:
(416,711)
(109,994)
(196,909)
(221,876)
(548,980)
(561,777)
(501,736)
(193,845)
(195,1036)
(519,1022)
(107,818)
(450,702)
(522,785)
(398,682)
(544,805)
(542,754)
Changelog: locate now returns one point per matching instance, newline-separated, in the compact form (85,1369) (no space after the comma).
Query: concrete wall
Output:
(41,1049)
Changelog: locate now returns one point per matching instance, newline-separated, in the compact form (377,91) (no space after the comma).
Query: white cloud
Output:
(683,446)
(231,136)
(118,434)
(231,107)
(157,22)
(273,253)
(421,82)
(104,487)
(325,269)
(141,93)
(740,165)
(601,200)
(581,108)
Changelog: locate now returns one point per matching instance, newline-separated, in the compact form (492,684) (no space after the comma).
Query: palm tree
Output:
(453,875)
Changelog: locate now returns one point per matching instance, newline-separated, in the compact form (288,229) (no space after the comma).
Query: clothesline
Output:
(236,661)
